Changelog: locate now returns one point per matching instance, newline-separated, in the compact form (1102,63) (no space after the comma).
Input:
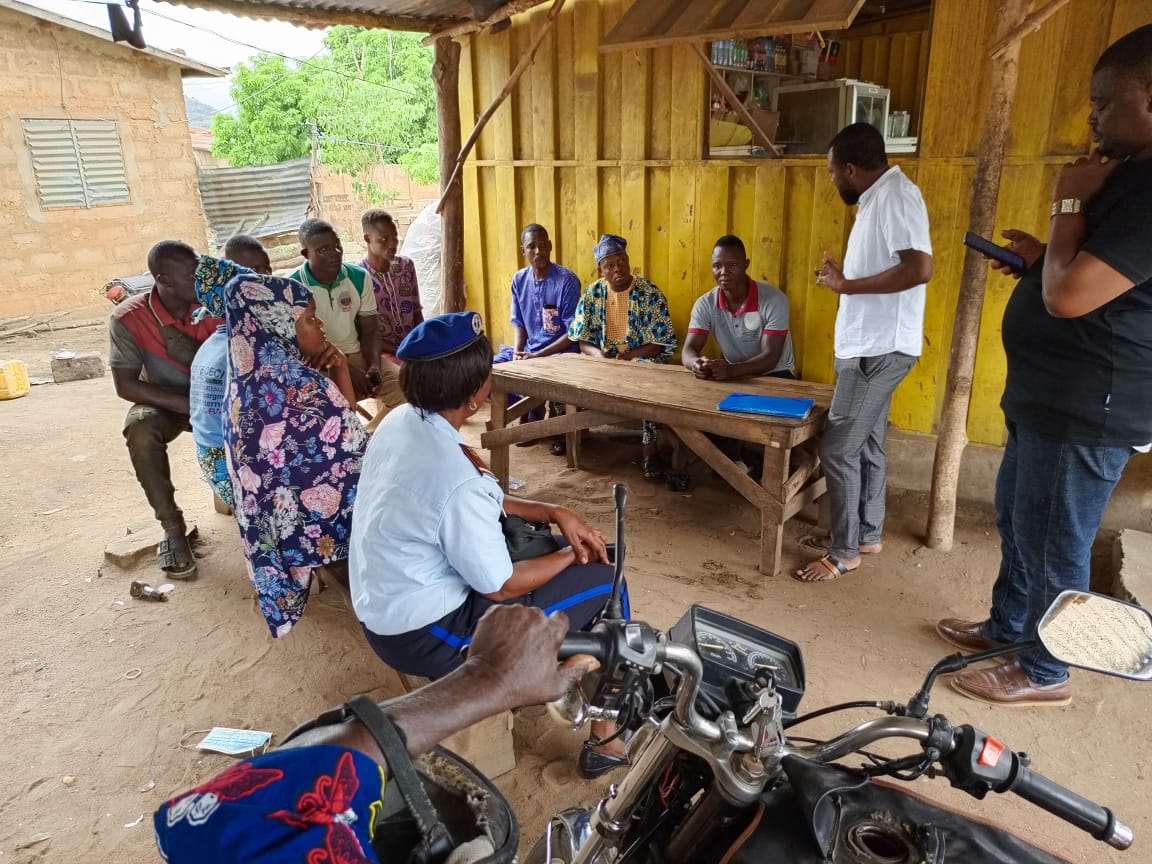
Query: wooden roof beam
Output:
(1029,25)
(457,27)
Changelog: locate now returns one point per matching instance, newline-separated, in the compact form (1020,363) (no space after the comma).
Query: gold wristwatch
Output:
(1065,206)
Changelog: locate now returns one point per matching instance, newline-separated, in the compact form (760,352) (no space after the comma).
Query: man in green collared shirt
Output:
(345,302)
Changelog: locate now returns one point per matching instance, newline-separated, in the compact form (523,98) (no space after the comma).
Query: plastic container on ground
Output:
(13,379)
(422,245)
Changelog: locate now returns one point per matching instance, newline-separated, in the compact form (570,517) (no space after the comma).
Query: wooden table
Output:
(599,392)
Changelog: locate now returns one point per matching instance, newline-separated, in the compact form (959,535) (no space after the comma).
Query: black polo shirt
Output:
(1088,380)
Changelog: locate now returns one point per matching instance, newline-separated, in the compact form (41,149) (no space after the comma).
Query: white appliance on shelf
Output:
(812,114)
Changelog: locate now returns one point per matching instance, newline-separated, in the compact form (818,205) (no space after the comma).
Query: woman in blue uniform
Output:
(428,555)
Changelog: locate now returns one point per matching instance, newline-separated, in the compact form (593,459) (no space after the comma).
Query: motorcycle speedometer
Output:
(731,649)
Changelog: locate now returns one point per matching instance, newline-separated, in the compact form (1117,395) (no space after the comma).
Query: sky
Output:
(200,33)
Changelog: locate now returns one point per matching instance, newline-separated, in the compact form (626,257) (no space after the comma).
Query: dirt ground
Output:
(107,695)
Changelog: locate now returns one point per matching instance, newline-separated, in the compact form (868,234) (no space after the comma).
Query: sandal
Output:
(558,448)
(174,555)
(834,568)
(652,468)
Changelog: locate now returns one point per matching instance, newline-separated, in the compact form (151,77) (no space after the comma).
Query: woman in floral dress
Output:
(294,442)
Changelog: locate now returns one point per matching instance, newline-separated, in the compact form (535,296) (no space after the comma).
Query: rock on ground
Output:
(139,544)
(78,368)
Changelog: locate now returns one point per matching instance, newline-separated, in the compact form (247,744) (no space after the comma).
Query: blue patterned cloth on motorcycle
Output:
(298,804)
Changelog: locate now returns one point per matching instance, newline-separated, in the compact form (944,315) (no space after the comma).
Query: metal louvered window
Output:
(77,163)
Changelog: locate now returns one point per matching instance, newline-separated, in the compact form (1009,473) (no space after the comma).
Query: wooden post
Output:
(737,105)
(981,220)
(525,61)
(446,77)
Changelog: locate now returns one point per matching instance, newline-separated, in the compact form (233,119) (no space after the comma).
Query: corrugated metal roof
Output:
(189,67)
(650,23)
(258,199)
(422,16)
(390,14)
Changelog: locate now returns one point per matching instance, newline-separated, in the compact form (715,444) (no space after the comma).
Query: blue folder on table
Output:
(774,406)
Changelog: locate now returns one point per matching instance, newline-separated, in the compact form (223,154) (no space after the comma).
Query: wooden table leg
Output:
(775,475)
(572,441)
(499,421)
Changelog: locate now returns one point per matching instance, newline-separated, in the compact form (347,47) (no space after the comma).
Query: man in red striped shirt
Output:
(152,340)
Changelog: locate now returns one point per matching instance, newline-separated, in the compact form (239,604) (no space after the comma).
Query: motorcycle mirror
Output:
(1099,633)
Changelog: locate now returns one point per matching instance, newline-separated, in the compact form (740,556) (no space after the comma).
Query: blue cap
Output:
(610,244)
(441,336)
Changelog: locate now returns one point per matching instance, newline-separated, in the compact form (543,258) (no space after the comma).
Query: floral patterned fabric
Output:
(301,804)
(294,448)
(648,324)
(213,463)
(212,274)
(648,320)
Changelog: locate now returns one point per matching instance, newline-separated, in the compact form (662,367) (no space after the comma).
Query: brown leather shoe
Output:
(967,635)
(1009,684)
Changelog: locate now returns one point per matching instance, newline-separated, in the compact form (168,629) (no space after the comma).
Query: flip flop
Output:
(834,566)
(174,555)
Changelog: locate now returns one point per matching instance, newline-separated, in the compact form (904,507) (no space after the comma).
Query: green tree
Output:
(369,96)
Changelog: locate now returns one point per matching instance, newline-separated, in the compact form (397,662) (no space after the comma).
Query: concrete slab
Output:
(78,368)
(1132,565)
(140,544)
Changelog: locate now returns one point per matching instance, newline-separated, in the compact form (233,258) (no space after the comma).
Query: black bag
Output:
(527,539)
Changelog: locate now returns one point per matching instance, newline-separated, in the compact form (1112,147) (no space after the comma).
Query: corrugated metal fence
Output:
(259,199)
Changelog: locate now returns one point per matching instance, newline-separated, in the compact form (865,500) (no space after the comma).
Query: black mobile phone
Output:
(997,253)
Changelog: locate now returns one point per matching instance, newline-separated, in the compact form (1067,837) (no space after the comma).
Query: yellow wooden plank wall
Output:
(591,142)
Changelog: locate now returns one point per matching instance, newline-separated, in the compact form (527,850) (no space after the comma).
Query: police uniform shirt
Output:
(425,528)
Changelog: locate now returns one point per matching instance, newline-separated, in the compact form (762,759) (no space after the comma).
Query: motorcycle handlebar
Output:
(594,644)
(1087,815)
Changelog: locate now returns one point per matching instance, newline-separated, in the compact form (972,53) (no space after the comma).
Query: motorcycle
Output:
(716,775)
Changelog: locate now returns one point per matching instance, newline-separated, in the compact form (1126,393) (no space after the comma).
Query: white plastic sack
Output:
(422,245)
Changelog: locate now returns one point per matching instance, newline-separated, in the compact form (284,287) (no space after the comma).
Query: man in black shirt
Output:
(1078,396)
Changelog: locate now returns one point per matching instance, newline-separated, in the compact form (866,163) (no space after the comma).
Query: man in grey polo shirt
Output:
(748,319)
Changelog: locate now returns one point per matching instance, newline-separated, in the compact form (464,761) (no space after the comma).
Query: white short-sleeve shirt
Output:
(891,218)
(425,528)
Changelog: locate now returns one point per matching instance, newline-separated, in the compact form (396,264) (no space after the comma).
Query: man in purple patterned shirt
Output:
(397,300)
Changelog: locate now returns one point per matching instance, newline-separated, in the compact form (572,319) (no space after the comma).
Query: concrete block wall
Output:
(59,258)
(343,206)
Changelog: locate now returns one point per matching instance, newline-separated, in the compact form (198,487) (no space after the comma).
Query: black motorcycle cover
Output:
(831,815)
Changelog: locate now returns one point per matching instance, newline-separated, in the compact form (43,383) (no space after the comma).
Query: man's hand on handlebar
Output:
(514,652)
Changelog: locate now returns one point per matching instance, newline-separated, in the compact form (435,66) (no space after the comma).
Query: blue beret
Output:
(610,244)
(441,336)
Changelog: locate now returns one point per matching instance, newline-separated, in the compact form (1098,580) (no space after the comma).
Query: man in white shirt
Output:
(879,335)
